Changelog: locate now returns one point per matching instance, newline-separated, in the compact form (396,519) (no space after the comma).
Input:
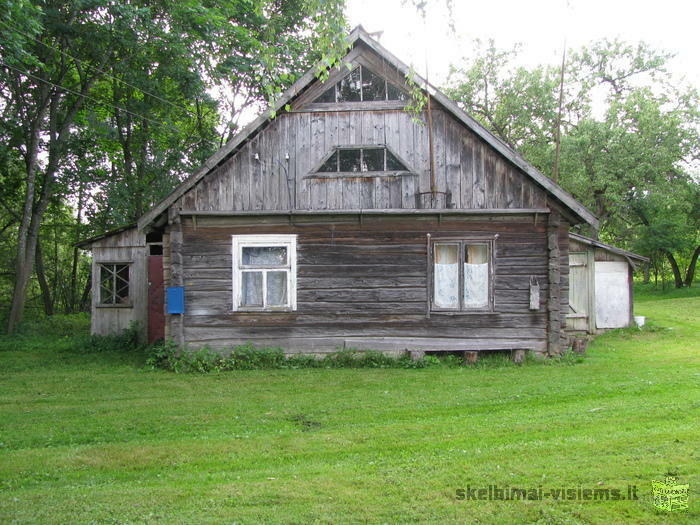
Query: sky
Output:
(540,26)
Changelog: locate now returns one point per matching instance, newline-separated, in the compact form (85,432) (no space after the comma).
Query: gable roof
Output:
(360,35)
(114,231)
(630,256)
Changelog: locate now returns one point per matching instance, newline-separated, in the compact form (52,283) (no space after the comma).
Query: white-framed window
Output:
(114,284)
(264,272)
(462,275)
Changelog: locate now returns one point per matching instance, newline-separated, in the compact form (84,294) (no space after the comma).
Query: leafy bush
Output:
(168,356)
(57,325)
(126,341)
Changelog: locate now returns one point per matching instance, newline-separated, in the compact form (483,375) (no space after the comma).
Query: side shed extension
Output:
(120,294)
(600,285)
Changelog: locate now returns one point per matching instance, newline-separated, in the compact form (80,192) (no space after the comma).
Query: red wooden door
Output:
(156,299)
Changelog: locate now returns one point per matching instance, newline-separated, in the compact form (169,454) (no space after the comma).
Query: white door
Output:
(577,316)
(612,296)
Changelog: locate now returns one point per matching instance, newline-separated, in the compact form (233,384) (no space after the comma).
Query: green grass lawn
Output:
(95,438)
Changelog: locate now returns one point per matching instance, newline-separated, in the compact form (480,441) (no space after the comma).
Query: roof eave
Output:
(609,247)
(109,233)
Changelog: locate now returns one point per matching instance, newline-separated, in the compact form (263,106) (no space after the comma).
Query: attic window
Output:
(361,85)
(345,160)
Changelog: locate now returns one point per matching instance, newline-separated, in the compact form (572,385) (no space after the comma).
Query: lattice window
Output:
(114,284)
(362,85)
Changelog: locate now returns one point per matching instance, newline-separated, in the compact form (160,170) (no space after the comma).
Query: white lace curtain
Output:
(475,274)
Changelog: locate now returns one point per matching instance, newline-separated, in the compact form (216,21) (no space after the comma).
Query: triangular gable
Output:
(308,80)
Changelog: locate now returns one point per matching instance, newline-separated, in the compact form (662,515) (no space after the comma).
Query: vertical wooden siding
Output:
(475,175)
(128,246)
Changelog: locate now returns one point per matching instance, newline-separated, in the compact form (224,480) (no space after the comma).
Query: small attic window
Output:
(355,160)
(362,85)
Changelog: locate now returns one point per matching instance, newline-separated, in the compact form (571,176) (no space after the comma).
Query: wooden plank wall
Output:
(564,272)
(127,246)
(364,285)
(597,254)
(476,176)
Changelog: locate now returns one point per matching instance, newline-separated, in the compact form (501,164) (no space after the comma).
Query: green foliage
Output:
(247,357)
(519,105)
(72,335)
(168,356)
(73,325)
(649,291)
(629,156)
(163,122)
(107,106)
(419,99)
(129,340)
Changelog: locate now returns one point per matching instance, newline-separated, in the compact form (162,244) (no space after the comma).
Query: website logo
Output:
(669,495)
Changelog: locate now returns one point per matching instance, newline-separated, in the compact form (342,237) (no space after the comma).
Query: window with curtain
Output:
(264,272)
(462,274)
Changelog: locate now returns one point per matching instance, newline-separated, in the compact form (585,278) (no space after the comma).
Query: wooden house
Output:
(341,222)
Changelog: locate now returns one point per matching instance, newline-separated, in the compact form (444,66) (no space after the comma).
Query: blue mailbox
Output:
(176,299)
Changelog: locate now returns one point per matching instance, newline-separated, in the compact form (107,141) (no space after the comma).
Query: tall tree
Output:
(630,134)
(63,60)
(43,92)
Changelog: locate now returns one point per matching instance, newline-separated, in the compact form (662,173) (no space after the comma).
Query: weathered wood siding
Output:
(128,246)
(363,285)
(293,145)
(564,277)
(584,257)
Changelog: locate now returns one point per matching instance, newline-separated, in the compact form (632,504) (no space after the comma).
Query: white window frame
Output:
(238,242)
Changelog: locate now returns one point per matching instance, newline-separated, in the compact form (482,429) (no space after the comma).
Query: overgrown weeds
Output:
(69,334)
(168,356)
(128,340)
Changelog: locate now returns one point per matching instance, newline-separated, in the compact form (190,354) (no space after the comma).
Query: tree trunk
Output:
(676,270)
(72,302)
(690,274)
(34,209)
(647,273)
(24,263)
(85,298)
(71,305)
(43,284)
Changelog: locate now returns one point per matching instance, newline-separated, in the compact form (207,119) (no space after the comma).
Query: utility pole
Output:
(557,131)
